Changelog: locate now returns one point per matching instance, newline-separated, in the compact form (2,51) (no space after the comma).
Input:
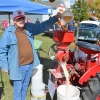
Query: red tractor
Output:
(83,72)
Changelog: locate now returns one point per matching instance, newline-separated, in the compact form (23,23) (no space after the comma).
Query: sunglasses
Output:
(19,19)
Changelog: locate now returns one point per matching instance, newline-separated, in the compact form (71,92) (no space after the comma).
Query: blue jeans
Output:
(21,86)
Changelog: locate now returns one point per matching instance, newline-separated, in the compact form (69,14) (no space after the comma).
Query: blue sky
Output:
(72,2)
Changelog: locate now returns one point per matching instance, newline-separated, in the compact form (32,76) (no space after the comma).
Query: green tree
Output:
(90,4)
(96,7)
(80,10)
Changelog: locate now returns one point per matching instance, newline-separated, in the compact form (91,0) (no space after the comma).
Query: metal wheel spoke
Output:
(52,51)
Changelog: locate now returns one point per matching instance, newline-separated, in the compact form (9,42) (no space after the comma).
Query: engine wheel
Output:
(92,90)
(52,52)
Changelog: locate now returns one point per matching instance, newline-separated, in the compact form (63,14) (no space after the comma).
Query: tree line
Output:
(82,8)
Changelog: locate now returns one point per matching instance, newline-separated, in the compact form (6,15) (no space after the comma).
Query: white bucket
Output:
(36,81)
(74,92)
(38,92)
(37,73)
(43,98)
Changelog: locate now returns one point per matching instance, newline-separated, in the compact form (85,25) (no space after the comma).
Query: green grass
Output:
(0,33)
(44,59)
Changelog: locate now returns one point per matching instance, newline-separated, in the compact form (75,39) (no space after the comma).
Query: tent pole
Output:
(9,17)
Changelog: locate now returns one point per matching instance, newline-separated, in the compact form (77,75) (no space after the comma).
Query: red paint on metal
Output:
(63,38)
(98,98)
(87,68)
(88,51)
(90,72)
(62,56)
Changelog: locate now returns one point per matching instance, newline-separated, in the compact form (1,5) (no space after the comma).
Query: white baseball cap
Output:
(18,14)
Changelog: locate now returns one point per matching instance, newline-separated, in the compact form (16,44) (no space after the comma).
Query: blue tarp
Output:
(26,6)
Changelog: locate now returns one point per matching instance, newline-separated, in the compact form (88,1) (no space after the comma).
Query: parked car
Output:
(89,31)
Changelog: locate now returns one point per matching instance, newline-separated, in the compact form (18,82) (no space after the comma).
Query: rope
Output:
(38,96)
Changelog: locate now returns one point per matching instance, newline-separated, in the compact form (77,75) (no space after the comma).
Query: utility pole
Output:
(79,15)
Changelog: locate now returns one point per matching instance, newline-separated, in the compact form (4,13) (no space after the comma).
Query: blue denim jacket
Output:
(9,48)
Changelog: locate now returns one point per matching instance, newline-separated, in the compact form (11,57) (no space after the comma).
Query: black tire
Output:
(92,90)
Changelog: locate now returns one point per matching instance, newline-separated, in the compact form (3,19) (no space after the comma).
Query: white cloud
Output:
(72,2)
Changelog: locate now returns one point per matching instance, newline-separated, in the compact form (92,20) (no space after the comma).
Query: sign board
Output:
(61,8)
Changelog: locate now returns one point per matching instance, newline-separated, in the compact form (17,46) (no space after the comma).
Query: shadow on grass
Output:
(1,86)
(50,35)
(47,64)
(1,92)
(11,82)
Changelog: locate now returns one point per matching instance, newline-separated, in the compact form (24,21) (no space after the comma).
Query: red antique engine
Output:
(84,72)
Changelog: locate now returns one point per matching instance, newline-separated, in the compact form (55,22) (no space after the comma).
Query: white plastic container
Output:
(37,74)
(38,92)
(74,93)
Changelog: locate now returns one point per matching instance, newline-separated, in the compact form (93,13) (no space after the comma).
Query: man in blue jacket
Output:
(17,53)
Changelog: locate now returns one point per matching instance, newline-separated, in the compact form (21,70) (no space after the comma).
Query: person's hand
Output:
(59,15)
(6,71)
